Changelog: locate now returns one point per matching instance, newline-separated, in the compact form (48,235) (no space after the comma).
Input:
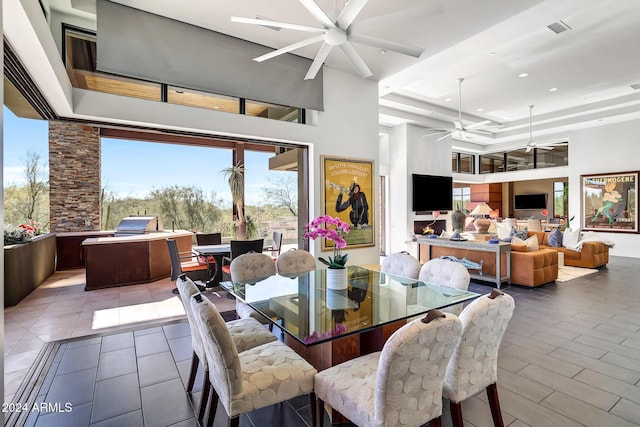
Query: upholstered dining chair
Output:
(398,386)
(248,268)
(401,264)
(256,378)
(246,334)
(237,248)
(474,364)
(447,273)
(189,264)
(295,261)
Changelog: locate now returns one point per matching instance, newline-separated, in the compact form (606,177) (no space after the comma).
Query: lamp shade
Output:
(481,210)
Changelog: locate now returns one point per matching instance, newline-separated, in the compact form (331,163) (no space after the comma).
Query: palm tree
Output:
(235,177)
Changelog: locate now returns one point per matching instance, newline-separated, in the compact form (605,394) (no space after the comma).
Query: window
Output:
(462,163)
(79,55)
(552,156)
(80,62)
(492,163)
(519,160)
(461,196)
(560,199)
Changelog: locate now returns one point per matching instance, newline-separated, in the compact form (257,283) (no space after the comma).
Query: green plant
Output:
(23,233)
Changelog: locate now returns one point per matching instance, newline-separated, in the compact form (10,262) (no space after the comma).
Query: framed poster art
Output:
(348,193)
(609,202)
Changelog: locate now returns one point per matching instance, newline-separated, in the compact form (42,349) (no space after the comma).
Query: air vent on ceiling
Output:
(558,27)
(635,86)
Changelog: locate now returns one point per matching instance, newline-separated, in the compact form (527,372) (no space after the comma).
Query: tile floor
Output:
(60,308)
(570,357)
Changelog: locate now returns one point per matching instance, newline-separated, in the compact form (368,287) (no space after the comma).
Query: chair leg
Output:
(312,407)
(494,404)
(436,422)
(195,361)
(320,411)
(206,387)
(213,406)
(456,414)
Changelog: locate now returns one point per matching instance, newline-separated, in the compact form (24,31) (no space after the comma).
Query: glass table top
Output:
(308,311)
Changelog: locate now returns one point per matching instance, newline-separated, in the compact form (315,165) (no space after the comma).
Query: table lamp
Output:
(481,212)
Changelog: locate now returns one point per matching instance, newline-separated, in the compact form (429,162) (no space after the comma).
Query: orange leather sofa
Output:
(592,255)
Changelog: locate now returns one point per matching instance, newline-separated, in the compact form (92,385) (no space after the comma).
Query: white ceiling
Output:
(488,43)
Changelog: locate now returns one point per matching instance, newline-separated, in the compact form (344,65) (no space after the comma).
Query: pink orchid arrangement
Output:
(338,330)
(330,228)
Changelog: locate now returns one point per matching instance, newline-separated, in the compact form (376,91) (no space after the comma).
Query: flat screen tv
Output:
(530,201)
(432,193)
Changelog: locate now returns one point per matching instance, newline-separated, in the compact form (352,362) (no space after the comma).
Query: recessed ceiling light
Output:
(448,100)
(179,91)
(480,109)
(492,53)
(553,89)
(217,107)
(523,75)
(382,51)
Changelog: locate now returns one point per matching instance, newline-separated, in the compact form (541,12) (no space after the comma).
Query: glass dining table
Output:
(352,321)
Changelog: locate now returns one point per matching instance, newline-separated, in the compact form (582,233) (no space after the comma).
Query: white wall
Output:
(605,149)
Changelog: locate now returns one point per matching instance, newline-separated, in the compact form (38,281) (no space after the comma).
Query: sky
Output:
(133,168)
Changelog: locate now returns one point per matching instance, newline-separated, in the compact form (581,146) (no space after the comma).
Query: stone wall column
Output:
(74,177)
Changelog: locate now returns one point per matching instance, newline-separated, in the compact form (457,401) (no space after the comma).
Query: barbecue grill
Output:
(138,224)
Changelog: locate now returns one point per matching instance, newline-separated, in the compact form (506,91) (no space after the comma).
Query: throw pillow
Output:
(519,248)
(570,238)
(519,233)
(555,238)
(503,230)
(531,243)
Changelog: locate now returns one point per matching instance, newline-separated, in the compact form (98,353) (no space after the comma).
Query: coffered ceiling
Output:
(492,44)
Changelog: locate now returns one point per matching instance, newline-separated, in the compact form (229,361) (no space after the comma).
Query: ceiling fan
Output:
(333,33)
(531,144)
(460,131)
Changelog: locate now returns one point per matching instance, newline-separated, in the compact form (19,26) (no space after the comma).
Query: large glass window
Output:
(272,111)
(462,163)
(80,62)
(552,156)
(194,98)
(492,163)
(519,160)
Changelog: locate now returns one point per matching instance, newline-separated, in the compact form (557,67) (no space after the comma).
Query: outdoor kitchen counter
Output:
(128,260)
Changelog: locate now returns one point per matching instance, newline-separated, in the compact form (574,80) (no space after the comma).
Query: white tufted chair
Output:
(401,264)
(295,261)
(398,386)
(246,334)
(256,378)
(248,268)
(447,273)
(474,364)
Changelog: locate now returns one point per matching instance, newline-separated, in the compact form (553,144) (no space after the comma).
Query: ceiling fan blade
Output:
(318,13)
(267,23)
(479,124)
(383,44)
(349,13)
(289,48)
(445,136)
(436,132)
(318,61)
(356,60)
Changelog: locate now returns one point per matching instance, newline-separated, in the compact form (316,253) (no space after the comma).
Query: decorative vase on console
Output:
(333,229)
(457,223)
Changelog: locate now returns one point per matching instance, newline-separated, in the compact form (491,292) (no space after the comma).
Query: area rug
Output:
(566,273)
